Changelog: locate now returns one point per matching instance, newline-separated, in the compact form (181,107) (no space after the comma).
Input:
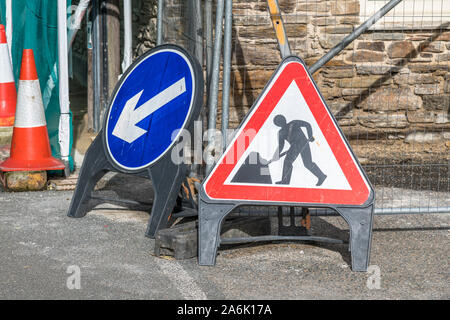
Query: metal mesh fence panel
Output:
(389,89)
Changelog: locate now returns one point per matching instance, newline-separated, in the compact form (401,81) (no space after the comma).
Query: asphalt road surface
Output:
(42,250)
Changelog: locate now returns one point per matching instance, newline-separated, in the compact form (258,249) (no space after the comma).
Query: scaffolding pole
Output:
(97,64)
(127,35)
(214,85)
(208,38)
(159,27)
(352,36)
(64,120)
(226,70)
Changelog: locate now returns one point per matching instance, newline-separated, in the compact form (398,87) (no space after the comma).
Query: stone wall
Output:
(144,25)
(387,86)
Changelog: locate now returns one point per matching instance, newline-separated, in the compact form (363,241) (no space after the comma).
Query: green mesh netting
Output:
(35,26)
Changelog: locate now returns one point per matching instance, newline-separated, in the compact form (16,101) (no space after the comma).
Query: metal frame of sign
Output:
(212,212)
(166,176)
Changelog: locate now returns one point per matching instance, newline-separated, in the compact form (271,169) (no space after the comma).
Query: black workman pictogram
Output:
(299,145)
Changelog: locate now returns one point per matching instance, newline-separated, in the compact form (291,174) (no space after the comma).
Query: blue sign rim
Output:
(165,48)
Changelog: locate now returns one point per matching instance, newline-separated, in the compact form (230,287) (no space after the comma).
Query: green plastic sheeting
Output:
(35,26)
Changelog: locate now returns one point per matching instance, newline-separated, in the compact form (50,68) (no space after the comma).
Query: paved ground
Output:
(39,243)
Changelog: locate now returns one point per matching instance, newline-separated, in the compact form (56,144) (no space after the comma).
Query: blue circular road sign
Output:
(151,103)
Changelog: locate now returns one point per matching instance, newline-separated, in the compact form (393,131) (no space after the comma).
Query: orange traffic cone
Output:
(8,95)
(30,146)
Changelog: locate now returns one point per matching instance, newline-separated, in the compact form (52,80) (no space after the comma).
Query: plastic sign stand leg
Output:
(360,221)
(165,175)
(167,178)
(210,219)
(95,166)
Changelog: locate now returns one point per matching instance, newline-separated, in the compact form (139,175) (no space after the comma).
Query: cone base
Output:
(30,151)
(12,164)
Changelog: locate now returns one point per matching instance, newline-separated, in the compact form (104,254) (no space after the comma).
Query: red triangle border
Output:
(290,71)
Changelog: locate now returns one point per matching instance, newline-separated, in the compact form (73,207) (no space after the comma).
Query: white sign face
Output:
(313,164)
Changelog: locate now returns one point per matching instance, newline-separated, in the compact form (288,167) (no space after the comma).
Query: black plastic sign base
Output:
(318,169)
(165,175)
(127,139)
(212,215)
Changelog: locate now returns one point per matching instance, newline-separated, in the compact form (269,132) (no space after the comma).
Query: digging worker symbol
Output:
(299,144)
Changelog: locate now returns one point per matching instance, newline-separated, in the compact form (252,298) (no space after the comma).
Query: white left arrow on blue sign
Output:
(126,128)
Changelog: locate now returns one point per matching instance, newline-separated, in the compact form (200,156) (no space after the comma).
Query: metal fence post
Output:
(197,25)
(128,35)
(226,69)
(96,57)
(215,73)
(159,36)
(208,38)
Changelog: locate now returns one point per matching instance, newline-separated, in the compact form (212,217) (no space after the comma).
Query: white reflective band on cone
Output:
(6,73)
(29,110)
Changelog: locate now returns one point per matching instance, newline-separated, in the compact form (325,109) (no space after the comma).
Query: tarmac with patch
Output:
(39,243)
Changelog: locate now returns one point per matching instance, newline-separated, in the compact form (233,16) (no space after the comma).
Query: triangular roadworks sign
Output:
(289,149)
